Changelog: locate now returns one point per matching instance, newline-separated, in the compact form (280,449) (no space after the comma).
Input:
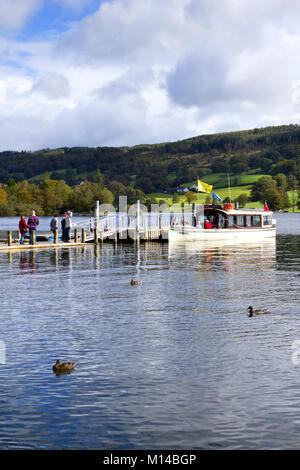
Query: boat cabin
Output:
(226,216)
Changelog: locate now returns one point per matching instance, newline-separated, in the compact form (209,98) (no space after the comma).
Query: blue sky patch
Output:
(55,18)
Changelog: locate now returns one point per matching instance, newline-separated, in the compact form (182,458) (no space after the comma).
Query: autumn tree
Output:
(190,197)
(82,198)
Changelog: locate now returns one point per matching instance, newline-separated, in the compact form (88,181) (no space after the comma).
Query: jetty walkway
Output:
(116,227)
(95,231)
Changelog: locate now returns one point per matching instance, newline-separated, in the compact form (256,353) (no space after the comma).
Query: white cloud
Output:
(52,85)
(151,71)
(14,13)
(127,31)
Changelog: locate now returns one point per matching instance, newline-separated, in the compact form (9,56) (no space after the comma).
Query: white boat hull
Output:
(187,234)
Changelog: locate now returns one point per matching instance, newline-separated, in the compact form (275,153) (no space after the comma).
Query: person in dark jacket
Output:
(54,223)
(32,223)
(23,229)
(63,228)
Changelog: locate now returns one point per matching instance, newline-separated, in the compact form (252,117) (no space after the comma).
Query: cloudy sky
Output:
(126,72)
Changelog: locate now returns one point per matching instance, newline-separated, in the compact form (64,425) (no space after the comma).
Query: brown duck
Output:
(63,367)
(134,283)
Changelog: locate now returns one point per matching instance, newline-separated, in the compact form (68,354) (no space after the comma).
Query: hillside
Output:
(153,168)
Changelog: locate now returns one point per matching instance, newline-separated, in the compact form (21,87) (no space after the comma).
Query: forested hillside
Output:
(154,168)
(262,163)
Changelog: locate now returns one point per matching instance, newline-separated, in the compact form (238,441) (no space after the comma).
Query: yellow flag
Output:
(203,187)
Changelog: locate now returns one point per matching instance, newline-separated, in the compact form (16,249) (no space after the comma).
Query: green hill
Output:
(246,155)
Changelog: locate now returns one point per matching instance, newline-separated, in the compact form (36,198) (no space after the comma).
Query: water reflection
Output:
(174,362)
(28,261)
(211,257)
(262,254)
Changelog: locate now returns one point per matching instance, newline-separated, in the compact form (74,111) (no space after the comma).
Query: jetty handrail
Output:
(119,221)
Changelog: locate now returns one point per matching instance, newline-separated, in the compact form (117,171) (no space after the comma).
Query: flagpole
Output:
(229,192)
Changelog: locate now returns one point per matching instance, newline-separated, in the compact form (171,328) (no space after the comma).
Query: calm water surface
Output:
(174,362)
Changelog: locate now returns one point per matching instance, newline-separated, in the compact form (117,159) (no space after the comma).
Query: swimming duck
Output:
(134,283)
(258,311)
(63,367)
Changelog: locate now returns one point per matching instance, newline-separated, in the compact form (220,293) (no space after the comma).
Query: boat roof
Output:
(234,211)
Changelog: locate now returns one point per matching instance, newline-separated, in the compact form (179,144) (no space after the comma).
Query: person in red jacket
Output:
(207,224)
(23,229)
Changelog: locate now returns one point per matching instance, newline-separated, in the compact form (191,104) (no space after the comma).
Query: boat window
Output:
(267,220)
(248,221)
(256,220)
(231,220)
(221,221)
(240,220)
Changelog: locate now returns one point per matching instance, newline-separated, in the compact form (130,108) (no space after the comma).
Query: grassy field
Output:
(220,180)
(223,193)
(239,184)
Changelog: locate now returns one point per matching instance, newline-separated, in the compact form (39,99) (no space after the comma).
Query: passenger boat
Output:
(228,223)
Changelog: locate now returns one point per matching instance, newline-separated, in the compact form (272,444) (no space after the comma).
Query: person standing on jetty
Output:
(32,223)
(23,229)
(68,226)
(63,228)
(54,223)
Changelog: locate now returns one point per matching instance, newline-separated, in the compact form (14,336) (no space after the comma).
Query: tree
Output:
(281,181)
(274,199)
(260,186)
(116,187)
(105,196)
(292,183)
(25,192)
(242,199)
(70,176)
(132,194)
(239,168)
(99,179)
(191,196)
(176,198)
(3,196)
(286,167)
(82,199)
(3,201)
(149,201)
(64,192)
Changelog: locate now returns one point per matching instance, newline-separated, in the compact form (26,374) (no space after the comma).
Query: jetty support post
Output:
(96,232)
(123,218)
(137,227)
(194,222)
(9,238)
(83,235)
(96,226)
(76,235)
(96,211)
(55,236)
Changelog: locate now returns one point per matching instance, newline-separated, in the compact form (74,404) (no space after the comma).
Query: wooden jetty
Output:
(116,228)
(13,243)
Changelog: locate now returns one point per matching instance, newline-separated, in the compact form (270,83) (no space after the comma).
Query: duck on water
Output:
(258,311)
(63,367)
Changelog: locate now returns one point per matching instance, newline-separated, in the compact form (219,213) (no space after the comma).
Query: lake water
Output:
(172,363)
